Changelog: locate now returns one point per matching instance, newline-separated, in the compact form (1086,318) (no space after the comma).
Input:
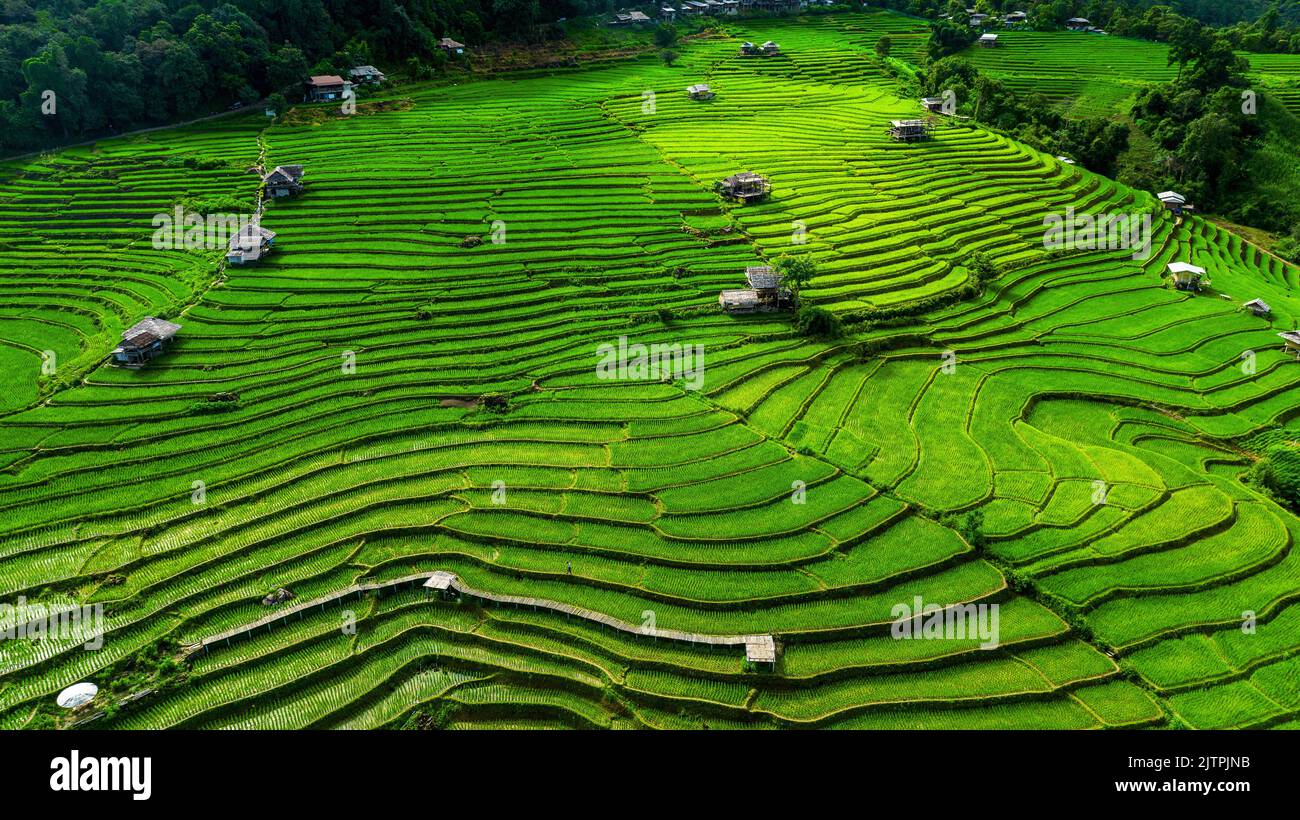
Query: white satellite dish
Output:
(78,694)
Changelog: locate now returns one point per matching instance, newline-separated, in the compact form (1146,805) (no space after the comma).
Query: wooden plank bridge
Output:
(758,648)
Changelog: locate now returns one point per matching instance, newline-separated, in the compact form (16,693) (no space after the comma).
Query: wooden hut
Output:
(739,301)
(909,130)
(1078,24)
(768,49)
(443,583)
(745,187)
(629,18)
(1258,307)
(766,292)
(1291,342)
(282,181)
(451,47)
(143,341)
(978,20)
(766,282)
(326,87)
(1174,202)
(760,652)
(988,41)
(699,91)
(250,245)
(1187,276)
(366,75)
(1015,18)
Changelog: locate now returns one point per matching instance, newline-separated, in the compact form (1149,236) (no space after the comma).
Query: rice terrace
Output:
(538,391)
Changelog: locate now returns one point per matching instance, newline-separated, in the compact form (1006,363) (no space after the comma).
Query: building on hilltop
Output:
(284,180)
(699,91)
(1187,276)
(326,87)
(909,130)
(250,245)
(143,341)
(745,187)
(366,75)
(668,14)
(978,20)
(1015,18)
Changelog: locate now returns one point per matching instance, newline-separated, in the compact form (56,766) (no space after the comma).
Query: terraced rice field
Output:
(1096,75)
(1082,74)
(645,500)
(75,267)
(1279,76)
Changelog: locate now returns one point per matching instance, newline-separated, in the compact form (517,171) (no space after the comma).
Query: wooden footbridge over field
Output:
(759,649)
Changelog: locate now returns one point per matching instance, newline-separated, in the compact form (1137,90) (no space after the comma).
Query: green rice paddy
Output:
(1072,373)
(1100,75)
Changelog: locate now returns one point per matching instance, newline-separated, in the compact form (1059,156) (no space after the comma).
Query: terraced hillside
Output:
(76,267)
(1083,74)
(1090,413)
(1100,75)
(1279,75)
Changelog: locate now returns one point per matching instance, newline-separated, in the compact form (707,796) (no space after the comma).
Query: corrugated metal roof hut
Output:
(143,341)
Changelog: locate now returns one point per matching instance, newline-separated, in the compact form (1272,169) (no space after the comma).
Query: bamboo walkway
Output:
(758,648)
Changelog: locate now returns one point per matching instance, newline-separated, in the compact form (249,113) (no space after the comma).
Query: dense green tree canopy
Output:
(116,64)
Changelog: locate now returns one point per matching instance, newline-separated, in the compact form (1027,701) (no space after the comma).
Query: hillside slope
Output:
(1088,411)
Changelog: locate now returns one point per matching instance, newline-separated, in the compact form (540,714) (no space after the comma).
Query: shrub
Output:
(278,103)
(217,403)
(1289,246)
(969,525)
(982,268)
(818,322)
(1278,474)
